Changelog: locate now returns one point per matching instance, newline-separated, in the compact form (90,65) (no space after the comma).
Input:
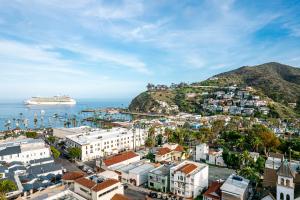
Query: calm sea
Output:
(16,114)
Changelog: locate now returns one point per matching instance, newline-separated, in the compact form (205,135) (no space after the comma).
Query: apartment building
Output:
(188,179)
(102,142)
(96,188)
(24,150)
(159,178)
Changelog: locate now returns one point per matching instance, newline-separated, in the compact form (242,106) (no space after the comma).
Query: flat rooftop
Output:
(235,185)
(101,134)
(142,168)
(21,142)
(163,170)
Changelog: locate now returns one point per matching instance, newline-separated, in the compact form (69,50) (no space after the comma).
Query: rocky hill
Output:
(274,81)
(277,81)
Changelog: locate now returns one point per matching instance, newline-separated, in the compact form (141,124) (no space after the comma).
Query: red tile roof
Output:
(105,184)
(119,197)
(119,158)
(85,182)
(162,151)
(73,175)
(213,191)
(179,148)
(187,168)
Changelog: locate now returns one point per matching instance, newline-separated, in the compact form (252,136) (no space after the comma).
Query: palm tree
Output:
(240,143)
(249,173)
(245,157)
(7,186)
(256,142)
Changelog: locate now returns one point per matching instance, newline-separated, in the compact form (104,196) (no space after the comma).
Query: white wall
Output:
(109,195)
(201,152)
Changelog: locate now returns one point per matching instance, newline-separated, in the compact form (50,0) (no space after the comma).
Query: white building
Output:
(96,188)
(24,150)
(285,182)
(188,179)
(201,152)
(235,187)
(102,142)
(136,173)
(211,156)
(215,157)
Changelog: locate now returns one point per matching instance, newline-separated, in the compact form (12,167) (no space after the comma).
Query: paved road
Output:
(69,166)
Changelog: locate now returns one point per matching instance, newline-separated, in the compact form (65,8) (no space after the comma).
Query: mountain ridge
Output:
(276,81)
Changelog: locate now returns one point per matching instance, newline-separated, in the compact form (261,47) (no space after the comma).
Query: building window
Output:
(288,183)
(151,184)
(281,196)
(108,191)
(84,190)
(282,181)
(288,197)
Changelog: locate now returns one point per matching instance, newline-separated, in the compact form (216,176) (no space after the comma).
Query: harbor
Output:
(21,116)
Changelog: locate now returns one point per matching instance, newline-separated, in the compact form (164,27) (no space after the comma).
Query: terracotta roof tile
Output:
(163,151)
(85,182)
(119,158)
(213,191)
(73,175)
(187,168)
(119,197)
(179,148)
(105,184)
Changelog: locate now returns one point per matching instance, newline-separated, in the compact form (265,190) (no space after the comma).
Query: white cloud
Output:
(116,58)
(123,10)
(17,55)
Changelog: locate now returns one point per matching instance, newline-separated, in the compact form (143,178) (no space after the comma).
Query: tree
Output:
(168,132)
(267,137)
(150,142)
(246,158)
(249,173)
(151,132)
(51,139)
(74,152)
(151,157)
(159,139)
(255,142)
(55,152)
(218,126)
(7,185)
(208,133)
(260,164)
(31,134)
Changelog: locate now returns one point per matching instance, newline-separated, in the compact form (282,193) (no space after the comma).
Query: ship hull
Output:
(32,102)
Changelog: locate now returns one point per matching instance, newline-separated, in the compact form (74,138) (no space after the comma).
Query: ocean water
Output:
(15,113)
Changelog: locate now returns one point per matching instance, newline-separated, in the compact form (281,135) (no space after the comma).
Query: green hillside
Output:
(275,82)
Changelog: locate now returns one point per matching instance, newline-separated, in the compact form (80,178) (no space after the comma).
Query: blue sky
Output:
(112,49)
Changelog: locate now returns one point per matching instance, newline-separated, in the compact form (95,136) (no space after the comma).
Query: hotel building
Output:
(102,142)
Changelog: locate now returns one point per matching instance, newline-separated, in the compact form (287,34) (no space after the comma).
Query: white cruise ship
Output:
(56,100)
